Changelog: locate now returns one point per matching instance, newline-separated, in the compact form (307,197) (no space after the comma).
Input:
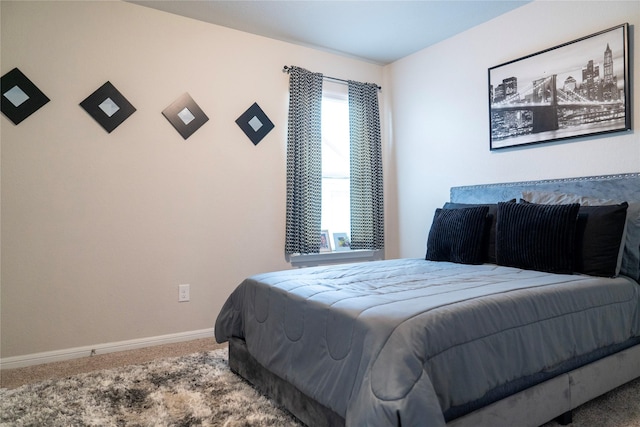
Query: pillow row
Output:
(557,238)
(629,255)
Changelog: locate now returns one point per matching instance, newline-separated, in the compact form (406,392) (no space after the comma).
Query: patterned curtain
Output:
(304,162)
(367,207)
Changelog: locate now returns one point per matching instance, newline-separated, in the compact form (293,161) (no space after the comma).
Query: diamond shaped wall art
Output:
(108,107)
(20,97)
(255,123)
(185,115)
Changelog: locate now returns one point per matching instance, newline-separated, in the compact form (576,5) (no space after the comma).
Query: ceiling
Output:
(376,31)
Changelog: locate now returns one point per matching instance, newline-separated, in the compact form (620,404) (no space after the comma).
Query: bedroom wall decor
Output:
(185,115)
(108,107)
(255,123)
(20,97)
(325,242)
(577,89)
(341,242)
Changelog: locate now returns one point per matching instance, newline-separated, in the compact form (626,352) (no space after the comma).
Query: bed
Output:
(491,329)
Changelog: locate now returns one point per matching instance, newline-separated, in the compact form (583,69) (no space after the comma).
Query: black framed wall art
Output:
(185,115)
(108,107)
(580,88)
(20,96)
(255,123)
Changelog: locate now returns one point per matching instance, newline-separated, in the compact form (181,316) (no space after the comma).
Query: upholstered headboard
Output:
(623,187)
(618,188)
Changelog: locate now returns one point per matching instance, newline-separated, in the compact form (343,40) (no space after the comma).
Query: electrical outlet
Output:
(183,293)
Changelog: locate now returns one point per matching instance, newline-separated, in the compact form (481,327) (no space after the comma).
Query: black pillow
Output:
(599,232)
(490,238)
(536,237)
(457,235)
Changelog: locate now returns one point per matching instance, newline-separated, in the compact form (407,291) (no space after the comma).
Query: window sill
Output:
(335,257)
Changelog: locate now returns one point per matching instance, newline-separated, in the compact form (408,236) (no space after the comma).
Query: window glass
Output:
(335,160)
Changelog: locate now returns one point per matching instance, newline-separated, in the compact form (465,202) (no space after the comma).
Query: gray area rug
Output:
(200,390)
(194,390)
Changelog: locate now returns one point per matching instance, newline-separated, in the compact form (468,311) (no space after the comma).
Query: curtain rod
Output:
(287,68)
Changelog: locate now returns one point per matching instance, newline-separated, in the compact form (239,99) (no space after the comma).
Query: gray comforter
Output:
(399,342)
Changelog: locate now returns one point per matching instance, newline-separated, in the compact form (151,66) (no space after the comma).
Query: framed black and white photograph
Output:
(185,115)
(577,89)
(325,242)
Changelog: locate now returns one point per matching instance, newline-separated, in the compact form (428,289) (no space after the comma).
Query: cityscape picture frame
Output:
(577,89)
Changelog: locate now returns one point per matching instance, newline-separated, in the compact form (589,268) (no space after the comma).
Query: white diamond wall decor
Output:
(16,96)
(108,107)
(185,115)
(255,123)
(20,97)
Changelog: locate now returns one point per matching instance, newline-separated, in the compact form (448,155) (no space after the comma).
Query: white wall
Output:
(99,229)
(439,104)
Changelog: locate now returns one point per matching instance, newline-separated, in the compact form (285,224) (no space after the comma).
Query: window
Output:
(335,160)
(354,203)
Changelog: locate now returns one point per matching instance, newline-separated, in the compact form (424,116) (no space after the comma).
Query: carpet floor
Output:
(193,390)
(199,390)
(12,378)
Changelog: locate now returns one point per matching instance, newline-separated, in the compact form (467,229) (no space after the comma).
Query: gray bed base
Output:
(552,399)
(534,406)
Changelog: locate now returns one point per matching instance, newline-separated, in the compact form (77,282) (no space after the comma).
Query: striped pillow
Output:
(536,237)
(458,235)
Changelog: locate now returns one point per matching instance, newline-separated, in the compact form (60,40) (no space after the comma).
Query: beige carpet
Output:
(198,389)
(12,378)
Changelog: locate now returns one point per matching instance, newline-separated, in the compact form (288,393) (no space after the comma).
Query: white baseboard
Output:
(86,351)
